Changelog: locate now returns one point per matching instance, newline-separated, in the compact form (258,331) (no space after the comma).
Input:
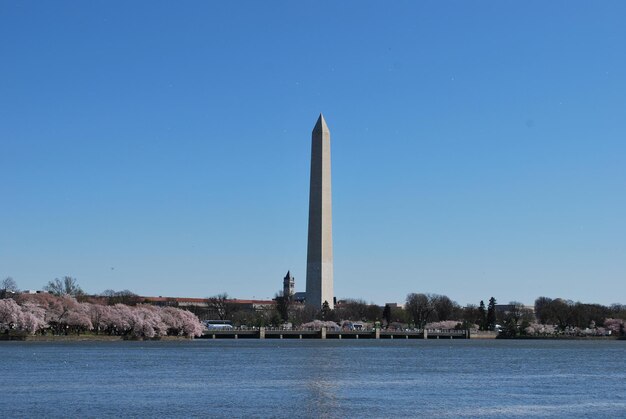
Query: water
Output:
(313,378)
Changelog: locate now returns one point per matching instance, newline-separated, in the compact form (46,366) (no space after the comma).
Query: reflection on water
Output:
(316,371)
(321,400)
(312,378)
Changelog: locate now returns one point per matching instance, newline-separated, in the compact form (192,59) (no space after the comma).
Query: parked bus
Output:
(218,324)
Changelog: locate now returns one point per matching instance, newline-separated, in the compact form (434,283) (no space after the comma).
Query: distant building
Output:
(299,297)
(31,292)
(289,284)
(508,308)
(188,302)
(289,288)
(205,309)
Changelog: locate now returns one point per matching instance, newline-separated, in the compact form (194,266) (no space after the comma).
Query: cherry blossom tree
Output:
(10,314)
(33,318)
(120,320)
(191,326)
(78,319)
(614,325)
(63,314)
(58,311)
(97,314)
(149,323)
(181,322)
(443,325)
(172,319)
(28,318)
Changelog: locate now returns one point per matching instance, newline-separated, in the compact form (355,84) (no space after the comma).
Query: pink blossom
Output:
(191,325)
(540,329)
(28,318)
(98,314)
(34,312)
(10,313)
(444,325)
(33,318)
(614,325)
(148,322)
(78,317)
(119,319)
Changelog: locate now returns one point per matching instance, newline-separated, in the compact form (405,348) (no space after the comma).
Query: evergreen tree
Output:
(326,311)
(491,314)
(387,314)
(283,302)
(482,313)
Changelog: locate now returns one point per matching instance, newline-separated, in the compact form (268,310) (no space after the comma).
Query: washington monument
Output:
(319,261)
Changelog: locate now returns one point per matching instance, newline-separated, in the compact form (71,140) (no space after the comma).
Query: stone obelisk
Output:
(319,261)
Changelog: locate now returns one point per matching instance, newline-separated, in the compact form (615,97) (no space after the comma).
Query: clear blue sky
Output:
(479,148)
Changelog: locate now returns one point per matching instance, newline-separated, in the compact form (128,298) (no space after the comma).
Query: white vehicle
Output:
(218,324)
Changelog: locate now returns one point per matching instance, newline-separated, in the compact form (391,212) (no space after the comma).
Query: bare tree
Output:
(67,286)
(352,309)
(8,285)
(445,308)
(543,309)
(301,313)
(357,310)
(220,305)
(420,307)
(516,319)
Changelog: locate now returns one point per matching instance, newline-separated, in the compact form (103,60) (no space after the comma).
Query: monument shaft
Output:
(319,269)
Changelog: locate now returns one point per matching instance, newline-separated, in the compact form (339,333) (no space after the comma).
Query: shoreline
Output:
(107,338)
(564,338)
(85,338)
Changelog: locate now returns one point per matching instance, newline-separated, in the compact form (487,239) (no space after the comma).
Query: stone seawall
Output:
(484,335)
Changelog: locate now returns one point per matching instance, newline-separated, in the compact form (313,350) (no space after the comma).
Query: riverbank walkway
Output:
(324,333)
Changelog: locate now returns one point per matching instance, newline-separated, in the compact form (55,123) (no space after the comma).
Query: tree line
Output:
(423,310)
(65,310)
(420,310)
(566,314)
